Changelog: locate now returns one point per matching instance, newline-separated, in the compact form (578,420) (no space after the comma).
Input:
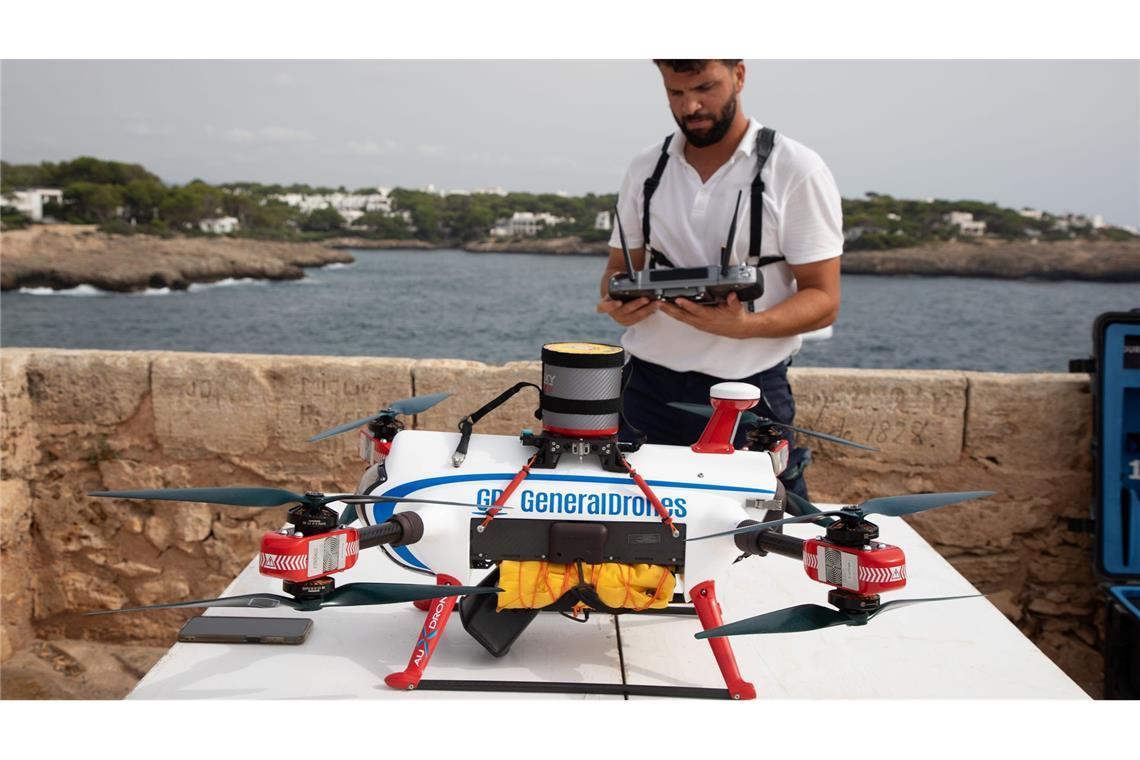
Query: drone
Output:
(570,519)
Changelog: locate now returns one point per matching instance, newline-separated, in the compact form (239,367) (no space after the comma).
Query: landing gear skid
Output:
(554,687)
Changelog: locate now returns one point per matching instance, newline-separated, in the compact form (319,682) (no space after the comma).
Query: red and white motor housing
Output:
(372,449)
(865,571)
(301,558)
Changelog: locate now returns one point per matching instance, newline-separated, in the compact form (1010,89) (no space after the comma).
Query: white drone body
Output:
(704,493)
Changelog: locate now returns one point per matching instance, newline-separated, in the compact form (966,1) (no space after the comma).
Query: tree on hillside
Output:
(88,169)
(384,225)
(143,199)
(468,217)
(322,220)
(189,204)
(90,202)
(426,210)
(14,176)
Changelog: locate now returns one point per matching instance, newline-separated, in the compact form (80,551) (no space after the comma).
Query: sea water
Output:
(499,307)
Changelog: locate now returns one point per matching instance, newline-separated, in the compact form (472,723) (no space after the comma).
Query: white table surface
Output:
(956,649)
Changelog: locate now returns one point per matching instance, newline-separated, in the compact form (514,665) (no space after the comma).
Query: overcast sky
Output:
(1056,135)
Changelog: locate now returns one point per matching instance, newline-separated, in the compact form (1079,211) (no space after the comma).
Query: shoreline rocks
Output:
(66,256)
(563,246)
(1103,261)
(352,244)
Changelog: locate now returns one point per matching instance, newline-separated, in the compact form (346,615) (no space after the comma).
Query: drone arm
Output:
(768,542)
(778,543)
(402,529)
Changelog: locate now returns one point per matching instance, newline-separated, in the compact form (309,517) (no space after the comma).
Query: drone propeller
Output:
(257,496)
(348,595)
(810,617)
(406,406)
(749,418)
(891,506)
(805,507)
(348,516)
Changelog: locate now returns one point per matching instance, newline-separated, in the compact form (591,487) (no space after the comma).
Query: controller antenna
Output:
(624,247)
(726,252)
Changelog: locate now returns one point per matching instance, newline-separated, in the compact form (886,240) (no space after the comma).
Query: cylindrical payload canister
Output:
(581,389)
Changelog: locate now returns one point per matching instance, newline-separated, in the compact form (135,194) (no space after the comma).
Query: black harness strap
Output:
(765,140)
(656,258)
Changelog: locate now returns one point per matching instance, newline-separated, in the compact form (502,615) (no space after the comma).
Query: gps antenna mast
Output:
(624,247)
(726,252)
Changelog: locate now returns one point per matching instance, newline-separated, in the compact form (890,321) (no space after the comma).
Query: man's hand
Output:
(729,319)
(629,312)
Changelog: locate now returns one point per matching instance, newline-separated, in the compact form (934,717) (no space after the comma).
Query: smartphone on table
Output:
(222,629)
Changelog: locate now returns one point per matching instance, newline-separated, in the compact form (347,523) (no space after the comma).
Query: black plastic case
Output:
(495,631)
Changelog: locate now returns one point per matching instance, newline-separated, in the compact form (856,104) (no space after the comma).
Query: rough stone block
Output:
(1007,604)
(312,393)
(130,569)
(18,451)
(210,404)
(1073,567)
(991,570)
(15,513)
(75,591)
(1030,422)
(191,522)
(87,388)
(17,574)
(912,417)
(473,384)
(69,524)
(159,530)
(246,405)
(125,475)
(982,524)
(171,587)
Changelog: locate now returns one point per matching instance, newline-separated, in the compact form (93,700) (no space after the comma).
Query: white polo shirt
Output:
(689,221)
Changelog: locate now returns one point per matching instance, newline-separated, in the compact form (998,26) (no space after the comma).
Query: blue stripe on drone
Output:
(382,511)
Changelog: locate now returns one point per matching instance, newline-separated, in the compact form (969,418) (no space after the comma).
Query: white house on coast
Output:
(223,225)
(351,206)
(965,223)
(30,202)
(525,224)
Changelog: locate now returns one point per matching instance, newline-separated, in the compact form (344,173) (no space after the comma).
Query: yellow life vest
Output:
(533,584)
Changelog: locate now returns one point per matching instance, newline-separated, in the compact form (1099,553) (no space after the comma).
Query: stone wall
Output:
(79,421)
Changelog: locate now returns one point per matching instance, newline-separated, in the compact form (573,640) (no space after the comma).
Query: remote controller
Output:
(704,285)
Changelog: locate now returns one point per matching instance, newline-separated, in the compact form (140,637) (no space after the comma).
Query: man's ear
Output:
(738,76)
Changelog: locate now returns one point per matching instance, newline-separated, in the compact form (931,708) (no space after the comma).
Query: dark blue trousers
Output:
(650,387)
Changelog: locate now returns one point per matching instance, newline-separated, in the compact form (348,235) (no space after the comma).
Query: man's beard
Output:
(716,132)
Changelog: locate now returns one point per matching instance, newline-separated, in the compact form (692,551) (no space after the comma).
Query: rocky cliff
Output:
(64,256)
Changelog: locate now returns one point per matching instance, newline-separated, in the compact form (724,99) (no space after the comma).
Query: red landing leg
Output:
(708,611)
(423,604)
(426,645)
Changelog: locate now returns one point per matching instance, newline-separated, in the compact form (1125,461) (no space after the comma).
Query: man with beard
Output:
(679,350)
